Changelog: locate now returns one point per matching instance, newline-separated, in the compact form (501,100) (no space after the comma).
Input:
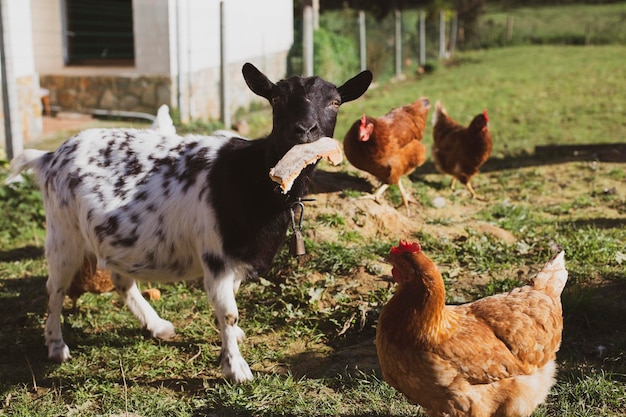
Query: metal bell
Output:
(296,245)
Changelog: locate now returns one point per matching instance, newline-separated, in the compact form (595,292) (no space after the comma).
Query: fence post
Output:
(442,34)
(12,133)
(316,14)
(453,31)
(398,37)
(509,28)
(307,40)
(422,37)
(225,85)
(362,41)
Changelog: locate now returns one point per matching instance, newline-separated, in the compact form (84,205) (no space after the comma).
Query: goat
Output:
(160,207)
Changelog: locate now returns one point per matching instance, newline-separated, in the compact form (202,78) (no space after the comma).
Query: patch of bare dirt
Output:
(382,220)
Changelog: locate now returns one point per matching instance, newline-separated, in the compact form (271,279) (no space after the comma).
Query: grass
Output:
(310,323)
(576,24)
(571,103)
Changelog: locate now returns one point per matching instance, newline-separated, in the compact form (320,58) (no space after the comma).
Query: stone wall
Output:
(145,93)
(84,93)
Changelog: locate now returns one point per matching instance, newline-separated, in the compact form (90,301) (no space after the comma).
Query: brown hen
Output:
(390,146)
(97,281)
(458,150)
(89,279)
(492,357)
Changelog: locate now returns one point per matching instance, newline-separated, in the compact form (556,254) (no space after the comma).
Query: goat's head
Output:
(305,108)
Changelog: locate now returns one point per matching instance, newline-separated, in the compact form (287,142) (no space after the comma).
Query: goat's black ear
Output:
(355,86)
(257,81)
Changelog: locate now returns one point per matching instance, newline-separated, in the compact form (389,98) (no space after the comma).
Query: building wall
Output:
(254,33)
(19,56)
(47,35)
(177,56)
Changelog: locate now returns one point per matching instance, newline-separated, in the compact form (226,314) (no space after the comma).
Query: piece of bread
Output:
(289,167)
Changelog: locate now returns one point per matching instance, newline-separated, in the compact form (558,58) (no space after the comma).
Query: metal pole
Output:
(422,38)
(12,134)
(307,40)
(316,14)
(182,107)
(398,38)
(442,34)
(362,40)
(225,84)
(454,29)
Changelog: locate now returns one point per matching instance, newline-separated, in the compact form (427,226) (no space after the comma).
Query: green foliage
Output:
(22,208)
(335,56)
(199,127)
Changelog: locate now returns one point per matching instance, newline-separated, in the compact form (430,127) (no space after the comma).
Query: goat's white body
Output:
(152,238)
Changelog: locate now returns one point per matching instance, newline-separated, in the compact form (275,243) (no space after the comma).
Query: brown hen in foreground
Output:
(492,357)
(390,146)
(458,150)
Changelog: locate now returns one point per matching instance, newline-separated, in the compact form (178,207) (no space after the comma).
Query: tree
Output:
(378,8)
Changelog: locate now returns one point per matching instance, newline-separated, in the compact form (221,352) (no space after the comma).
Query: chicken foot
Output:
(470,189)
(406,198)
(474,195)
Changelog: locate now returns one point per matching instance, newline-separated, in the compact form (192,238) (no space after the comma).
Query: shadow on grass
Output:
(594,329)
(22,351)
(23,253)
(331,182)
(598,223)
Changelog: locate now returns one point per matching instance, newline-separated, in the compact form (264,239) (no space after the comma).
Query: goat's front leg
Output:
(127,288)
(221,290)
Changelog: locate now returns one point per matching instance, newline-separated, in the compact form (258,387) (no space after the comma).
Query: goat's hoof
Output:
(59,352)
(163,330)
(236,369)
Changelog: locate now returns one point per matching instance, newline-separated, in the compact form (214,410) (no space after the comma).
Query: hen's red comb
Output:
(485,114)
(406,246)
(363,120)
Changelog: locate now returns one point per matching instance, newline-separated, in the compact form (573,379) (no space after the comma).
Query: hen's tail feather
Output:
(553,276)
(30,158)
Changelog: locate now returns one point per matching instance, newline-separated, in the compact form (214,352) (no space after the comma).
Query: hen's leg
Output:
(406,198)
(376,196)
(380,192)
(127,288)
(221,284)
(452,183)
(474,195)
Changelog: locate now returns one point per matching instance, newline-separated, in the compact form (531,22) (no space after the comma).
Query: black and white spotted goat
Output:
(160,207)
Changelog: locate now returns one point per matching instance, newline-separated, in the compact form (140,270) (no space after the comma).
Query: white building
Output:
(134,55)
(22,78)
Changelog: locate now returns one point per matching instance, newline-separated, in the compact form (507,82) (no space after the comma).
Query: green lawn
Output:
(310,327)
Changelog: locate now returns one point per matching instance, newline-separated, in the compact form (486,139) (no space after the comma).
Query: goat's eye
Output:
(336,102)
(275,100)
